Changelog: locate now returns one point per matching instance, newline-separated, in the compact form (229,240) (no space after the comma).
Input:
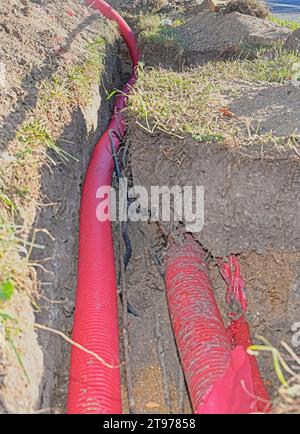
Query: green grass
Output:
(153,31)
(189,102)
(35,136)
(75,86)
(81,77)
(20,176)
(12,259)
(292,25)
(272,64)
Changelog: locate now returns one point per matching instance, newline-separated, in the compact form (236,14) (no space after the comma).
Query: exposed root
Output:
(76,344)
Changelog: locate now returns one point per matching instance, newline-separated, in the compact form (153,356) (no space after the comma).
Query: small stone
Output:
(152,405)
(166,22)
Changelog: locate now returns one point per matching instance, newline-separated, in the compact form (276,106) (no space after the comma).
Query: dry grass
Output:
(286,365)
(255,8)
(288,400)
(289,24)
(158,30)
(194,101)
(35,146)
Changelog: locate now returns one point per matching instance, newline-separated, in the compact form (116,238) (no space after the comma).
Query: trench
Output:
(158,383)
(59,215)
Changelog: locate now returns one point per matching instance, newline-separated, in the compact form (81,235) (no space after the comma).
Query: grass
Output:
(13,258)
(20,174)
(75,86)
(34,136)
(292,25)
(153,30)
(81,77)
(192,102)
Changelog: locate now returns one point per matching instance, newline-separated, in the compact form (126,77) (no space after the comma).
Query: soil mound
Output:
(293,41)
(208,36)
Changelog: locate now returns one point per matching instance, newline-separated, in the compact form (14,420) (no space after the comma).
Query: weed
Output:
(81,77)
(6,290)
(6,322)
(35,136)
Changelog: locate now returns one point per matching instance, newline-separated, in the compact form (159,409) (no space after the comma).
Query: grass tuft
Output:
(255,8)
(192,101)
(289,24)
(156,29)
(34,136)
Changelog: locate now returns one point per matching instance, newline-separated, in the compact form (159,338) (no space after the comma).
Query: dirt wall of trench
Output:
(251,197)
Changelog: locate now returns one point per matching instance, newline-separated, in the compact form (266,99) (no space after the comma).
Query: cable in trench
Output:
(123,228)
(124,258)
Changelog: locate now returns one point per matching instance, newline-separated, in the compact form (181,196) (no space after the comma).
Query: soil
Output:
(269,262)
(39,40)
(242,211)
(158,385)
(293,41)
(251,210)
(213,36)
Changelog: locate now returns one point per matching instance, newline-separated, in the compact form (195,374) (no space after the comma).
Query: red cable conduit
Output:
(94,387)
(221,376)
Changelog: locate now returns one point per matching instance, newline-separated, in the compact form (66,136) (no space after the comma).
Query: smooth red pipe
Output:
(95,387)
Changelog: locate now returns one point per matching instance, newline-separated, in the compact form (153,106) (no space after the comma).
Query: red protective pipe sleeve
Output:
(202,339)
(221,376)
(95,387)
(240,333)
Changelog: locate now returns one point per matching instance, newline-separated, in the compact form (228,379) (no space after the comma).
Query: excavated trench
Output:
(253,219)
(270,261)
(59,215)
(244,215)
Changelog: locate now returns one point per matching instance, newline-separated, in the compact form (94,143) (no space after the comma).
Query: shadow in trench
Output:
(61,187)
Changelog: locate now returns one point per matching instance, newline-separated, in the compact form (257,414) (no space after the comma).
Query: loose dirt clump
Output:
(216,36)
(254,8)
(293,41)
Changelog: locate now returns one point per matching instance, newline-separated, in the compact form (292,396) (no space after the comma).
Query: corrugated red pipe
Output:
(220,375)
(95,387)
(201,337)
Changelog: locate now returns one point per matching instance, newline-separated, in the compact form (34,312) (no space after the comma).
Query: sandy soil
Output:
(269,261)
